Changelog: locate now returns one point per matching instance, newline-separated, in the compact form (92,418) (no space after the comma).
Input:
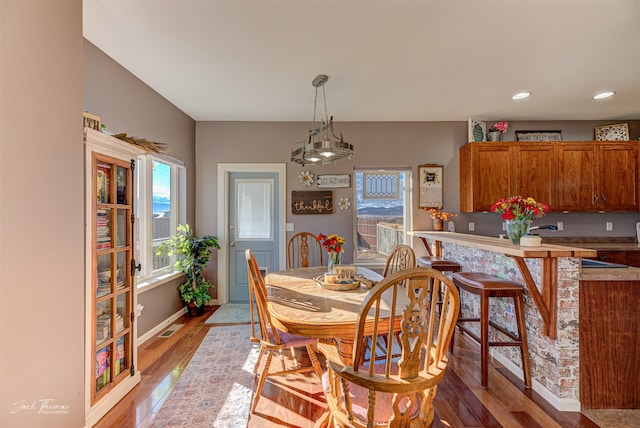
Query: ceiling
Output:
(438,60)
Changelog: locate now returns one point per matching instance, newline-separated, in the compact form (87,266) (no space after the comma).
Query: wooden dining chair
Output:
(304,250)
(401,257)
(273,341)
(394,392)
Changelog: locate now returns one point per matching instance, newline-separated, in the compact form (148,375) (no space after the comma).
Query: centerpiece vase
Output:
(517,228)
(334,259)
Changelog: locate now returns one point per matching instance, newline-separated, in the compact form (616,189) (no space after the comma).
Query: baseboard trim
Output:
(562,404)
(158,328)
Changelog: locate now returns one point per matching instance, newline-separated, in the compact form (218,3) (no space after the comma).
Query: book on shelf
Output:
(103,181)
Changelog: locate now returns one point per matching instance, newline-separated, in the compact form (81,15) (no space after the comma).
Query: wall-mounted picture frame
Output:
(477,130)
(617,132)
(431,187)
(539,135)
(334,181)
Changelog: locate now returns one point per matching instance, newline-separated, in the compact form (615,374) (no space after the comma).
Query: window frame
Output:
(144,223)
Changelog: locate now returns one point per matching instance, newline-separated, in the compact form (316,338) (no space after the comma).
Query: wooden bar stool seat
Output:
(438,263)
(487,286)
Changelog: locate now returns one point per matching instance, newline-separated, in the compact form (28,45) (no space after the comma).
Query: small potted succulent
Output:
(192,255)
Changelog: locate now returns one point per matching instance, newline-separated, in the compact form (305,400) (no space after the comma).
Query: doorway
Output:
(251,215)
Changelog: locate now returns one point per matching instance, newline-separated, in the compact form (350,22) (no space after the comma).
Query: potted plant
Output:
(192,254)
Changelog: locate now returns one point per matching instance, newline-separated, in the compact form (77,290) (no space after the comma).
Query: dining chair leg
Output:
(261,381)
(314,361)
(260,355)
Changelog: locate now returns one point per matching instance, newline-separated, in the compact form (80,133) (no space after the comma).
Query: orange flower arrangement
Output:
(435,213)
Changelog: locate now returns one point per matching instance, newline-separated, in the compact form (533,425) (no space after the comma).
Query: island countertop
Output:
(505,246)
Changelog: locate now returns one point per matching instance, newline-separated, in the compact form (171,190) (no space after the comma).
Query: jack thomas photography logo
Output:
(42,406)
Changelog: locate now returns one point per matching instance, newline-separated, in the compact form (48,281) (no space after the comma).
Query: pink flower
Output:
(500,126)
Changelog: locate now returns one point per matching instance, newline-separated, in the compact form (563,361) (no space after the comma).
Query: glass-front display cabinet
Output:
(111,272)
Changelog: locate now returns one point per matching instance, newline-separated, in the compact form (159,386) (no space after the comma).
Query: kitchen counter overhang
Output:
(545,297)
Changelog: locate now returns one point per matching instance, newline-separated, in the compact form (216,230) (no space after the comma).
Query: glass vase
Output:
(517,228)
(334,259)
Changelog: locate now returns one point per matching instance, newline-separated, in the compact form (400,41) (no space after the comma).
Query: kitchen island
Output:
(609,328)
(551,274)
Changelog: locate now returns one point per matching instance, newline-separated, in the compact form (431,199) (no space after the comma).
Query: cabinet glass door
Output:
(113,254)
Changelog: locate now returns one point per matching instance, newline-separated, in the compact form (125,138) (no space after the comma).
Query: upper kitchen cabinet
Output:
(485,171)
(490,171)
(597,176)
(535,172)
(569,176)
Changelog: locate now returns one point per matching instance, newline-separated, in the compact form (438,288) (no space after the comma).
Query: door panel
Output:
(253,213)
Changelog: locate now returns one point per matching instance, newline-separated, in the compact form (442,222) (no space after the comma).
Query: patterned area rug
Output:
(215,389)
(231,313)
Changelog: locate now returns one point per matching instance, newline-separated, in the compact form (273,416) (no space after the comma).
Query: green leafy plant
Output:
(192,255)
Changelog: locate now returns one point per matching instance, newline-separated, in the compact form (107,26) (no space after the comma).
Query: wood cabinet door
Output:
(534,173)
(576,179)
(618,177)
(486,170)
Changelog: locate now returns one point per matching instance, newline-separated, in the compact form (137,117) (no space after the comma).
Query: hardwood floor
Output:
(297,400)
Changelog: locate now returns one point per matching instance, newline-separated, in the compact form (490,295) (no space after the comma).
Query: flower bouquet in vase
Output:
(439,217)
(498,128)
(518,213)
(335,247)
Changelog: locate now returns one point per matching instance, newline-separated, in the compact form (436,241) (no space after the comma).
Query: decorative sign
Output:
(92,121)
(619,132)
(539,135)
(312,202)
(431,188)
(334,181)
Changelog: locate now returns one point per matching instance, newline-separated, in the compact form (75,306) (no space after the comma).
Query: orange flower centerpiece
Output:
(439,217)
(519,212)
(335,246)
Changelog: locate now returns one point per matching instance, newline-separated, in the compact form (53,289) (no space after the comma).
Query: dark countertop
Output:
(605,274)
(598,244)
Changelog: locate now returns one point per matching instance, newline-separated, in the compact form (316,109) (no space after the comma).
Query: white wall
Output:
(41,214)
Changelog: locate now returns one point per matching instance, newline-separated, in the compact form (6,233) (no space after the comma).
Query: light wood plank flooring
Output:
(297,401)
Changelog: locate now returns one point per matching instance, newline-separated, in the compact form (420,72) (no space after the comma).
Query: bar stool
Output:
(438,263)
(487,286)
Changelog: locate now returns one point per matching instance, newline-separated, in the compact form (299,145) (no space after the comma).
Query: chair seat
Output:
(288,339)
(438,263)
(478,282)
(360,398)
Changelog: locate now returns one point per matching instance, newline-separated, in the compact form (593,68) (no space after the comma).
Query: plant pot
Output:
(194,311)
(438,224)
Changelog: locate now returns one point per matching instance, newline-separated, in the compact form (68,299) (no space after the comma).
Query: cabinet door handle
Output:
(604,199)
(595,199)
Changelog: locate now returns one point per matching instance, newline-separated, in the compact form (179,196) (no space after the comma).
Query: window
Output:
(161,207)
(382,213)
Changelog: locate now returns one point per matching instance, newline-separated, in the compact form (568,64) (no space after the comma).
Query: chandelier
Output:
(322,146)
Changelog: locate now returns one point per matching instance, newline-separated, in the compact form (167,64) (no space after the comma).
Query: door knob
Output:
(233,244)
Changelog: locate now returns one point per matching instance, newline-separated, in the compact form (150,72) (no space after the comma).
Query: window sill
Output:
(157,281)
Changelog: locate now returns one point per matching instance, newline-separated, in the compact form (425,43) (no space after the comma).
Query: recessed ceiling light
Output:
(603,95)
(521,96)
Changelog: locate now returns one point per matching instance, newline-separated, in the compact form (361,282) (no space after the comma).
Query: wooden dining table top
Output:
(300,305)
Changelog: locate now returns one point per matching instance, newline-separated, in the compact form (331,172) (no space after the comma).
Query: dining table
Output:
(299,304)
